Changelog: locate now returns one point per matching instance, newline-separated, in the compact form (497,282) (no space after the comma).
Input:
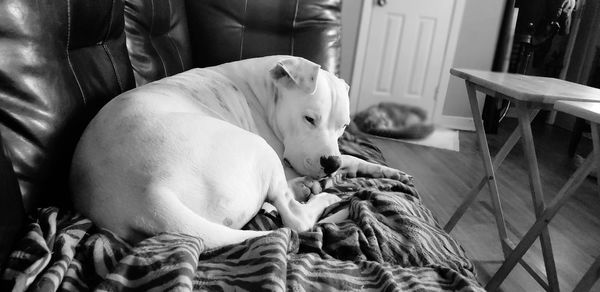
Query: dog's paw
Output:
(356,167)
(304,187)
(368,169)
(302,217)
(379,171)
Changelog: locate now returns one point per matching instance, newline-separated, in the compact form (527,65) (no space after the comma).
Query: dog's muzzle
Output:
(330,164)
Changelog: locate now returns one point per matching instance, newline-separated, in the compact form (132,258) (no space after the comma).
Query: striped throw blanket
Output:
(390,242)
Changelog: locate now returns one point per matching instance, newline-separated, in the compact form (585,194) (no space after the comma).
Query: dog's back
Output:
(182,154)
(144,141)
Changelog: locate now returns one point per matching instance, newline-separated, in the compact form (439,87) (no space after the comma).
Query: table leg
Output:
(488,166)
(537,193)
(596,144)
(589,279)
(593,273)
(509,144)
(541,223)
(466,203)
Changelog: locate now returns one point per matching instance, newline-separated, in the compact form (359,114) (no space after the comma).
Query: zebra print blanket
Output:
(390,242)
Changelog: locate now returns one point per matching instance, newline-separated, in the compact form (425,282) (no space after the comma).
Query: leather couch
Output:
(61,61)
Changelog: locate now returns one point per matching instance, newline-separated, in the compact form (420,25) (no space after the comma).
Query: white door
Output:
(406,52)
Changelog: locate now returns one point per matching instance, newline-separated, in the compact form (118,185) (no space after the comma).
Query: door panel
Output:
(405,52)
(393,31)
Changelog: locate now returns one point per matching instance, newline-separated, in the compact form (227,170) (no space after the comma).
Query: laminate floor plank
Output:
(444,177)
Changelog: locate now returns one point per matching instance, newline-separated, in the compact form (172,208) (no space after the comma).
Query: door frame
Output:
(449,52)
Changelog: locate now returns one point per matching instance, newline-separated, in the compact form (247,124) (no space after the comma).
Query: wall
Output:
(476,45)
(350,20)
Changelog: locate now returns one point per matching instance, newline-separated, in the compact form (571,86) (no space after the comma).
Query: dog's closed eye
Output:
(309,120)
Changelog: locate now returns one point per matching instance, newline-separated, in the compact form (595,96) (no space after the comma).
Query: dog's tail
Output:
(169,214)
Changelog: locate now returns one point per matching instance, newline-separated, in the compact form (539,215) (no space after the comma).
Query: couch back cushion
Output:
(157,38)
(228,30)
(60,61)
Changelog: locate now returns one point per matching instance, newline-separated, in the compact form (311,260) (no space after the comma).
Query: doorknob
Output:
(381,2)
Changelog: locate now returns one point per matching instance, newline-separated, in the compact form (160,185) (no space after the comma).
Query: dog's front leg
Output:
(302,216)
(303,187)
(354,166)
(296,215)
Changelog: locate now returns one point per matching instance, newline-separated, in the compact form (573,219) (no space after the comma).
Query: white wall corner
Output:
(450,52)
(359,56)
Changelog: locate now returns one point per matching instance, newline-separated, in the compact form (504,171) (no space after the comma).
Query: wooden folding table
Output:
(529,94)
(591,112)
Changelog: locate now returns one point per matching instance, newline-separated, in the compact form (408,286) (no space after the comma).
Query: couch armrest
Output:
(61,62)
(229,30)
(12,212)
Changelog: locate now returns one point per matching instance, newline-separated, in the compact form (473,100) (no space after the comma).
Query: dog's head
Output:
(311,110)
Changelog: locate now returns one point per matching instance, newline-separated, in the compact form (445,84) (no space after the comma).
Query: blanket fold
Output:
(389,242)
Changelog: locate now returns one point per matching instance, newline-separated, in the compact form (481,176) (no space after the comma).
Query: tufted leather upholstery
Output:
(157,38)
(61,61)
(13,217)
(254,28)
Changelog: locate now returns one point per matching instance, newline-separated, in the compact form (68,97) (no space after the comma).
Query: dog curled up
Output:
(201,151)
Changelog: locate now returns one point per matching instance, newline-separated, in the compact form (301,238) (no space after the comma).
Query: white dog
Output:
(201,151)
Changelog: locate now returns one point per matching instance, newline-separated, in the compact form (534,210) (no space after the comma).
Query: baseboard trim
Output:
(456,123)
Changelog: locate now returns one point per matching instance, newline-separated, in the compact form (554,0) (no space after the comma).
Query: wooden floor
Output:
(444,177)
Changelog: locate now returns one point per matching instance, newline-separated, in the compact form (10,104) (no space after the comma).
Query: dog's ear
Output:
(296,71)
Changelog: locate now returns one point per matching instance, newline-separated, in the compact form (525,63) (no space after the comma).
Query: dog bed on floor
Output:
(389,242)
(393,120)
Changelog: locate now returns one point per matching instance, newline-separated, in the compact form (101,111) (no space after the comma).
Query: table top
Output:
(529,88)
(586,110)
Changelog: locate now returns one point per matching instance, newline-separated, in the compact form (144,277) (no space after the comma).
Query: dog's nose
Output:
(330,163)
